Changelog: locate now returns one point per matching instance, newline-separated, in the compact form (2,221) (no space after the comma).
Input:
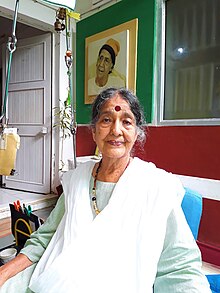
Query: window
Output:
(191,63)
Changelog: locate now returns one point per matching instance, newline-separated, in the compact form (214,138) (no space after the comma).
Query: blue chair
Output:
(192,208)
(214,281)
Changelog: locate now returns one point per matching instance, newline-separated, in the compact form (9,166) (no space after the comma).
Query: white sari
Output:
(118,251)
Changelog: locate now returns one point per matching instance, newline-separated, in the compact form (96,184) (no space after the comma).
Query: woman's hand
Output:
(13,267)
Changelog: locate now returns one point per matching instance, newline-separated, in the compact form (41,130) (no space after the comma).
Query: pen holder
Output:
(22,225)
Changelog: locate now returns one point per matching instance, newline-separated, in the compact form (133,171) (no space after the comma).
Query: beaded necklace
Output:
(94,199)
(94,202)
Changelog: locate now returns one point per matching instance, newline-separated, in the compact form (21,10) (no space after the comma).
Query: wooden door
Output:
(29,110)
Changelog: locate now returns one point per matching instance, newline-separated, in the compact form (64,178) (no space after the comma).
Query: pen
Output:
(27,210)
(17,205)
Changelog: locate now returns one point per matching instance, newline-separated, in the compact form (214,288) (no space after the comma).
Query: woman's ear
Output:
(93,134)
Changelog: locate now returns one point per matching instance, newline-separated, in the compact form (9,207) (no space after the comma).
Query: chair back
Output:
(192,208)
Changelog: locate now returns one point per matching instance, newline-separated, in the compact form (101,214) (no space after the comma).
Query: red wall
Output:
(85,145)
(208,224)
(184,150)
(209,236)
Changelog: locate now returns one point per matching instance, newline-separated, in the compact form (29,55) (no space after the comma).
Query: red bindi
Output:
(117,108)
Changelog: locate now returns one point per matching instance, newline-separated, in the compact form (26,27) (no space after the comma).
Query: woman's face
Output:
(104,64)
(115,131)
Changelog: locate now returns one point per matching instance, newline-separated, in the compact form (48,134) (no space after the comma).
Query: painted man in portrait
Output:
(105,63)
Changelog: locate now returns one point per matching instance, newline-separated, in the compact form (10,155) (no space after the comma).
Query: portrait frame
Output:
(127,32)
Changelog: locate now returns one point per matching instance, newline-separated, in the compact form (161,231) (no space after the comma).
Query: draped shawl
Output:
(118,250)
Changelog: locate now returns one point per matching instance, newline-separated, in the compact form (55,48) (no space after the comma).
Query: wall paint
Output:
(209,237)
(209,225)
(86,8)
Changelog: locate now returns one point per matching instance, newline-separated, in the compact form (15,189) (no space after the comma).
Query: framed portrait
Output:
(111,59)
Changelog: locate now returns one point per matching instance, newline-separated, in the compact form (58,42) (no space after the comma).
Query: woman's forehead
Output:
(116,105)
(116,102)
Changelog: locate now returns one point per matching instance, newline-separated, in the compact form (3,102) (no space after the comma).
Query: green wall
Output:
(114,15)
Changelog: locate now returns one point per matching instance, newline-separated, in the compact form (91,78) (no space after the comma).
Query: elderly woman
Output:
(119,226)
